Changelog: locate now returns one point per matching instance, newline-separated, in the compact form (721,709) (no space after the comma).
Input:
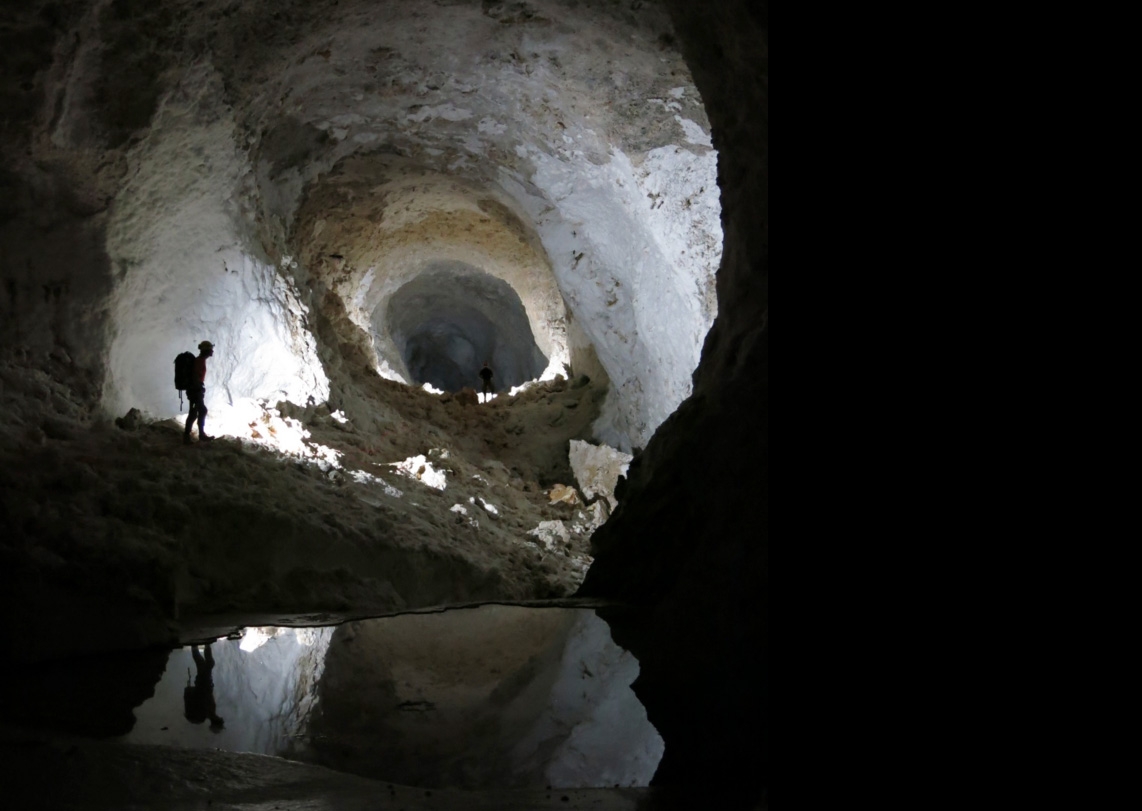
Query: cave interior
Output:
(552,597)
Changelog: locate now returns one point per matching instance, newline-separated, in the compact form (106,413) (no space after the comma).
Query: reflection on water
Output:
(263,696)
(494,696)
(198,698)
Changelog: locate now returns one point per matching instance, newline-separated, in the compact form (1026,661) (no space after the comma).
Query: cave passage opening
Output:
(452,318)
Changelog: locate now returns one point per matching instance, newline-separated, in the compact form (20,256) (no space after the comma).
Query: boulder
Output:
(562,494)
(597,469)
(129,421)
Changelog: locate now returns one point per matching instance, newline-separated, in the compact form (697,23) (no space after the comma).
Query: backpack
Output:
(183,374)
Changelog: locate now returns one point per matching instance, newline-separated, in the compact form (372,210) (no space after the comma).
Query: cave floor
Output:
(59,773)
(292,517)
(122,539)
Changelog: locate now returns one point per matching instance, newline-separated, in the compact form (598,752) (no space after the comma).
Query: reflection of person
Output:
(198,700)
(196,394)
(486,376)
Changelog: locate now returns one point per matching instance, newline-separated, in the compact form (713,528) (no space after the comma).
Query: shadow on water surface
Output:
(92,696)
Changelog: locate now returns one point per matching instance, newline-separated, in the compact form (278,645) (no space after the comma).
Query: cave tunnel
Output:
(451,319)
(352,199)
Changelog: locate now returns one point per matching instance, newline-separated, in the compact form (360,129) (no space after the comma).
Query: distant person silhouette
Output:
(486,376)
(198,700)
(196,394)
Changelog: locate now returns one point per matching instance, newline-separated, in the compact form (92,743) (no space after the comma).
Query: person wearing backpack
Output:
(196,394)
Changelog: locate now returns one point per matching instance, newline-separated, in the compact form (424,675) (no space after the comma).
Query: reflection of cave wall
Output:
(449,320)
(495,696)
(263,694)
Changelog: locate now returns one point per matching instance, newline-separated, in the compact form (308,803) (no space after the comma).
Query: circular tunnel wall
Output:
(452,318)
(473,280)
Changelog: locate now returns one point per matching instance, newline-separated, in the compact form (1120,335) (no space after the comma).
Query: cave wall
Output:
(55,273)
(55,279)
(125,236)
(688,543)
(182,236)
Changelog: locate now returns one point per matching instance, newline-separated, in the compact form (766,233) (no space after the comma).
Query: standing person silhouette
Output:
(196,394)
(486,376)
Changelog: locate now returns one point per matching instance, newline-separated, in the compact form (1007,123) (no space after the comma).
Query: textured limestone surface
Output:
(597,468)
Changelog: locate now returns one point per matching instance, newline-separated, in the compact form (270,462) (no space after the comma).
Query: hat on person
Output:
(205,345)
